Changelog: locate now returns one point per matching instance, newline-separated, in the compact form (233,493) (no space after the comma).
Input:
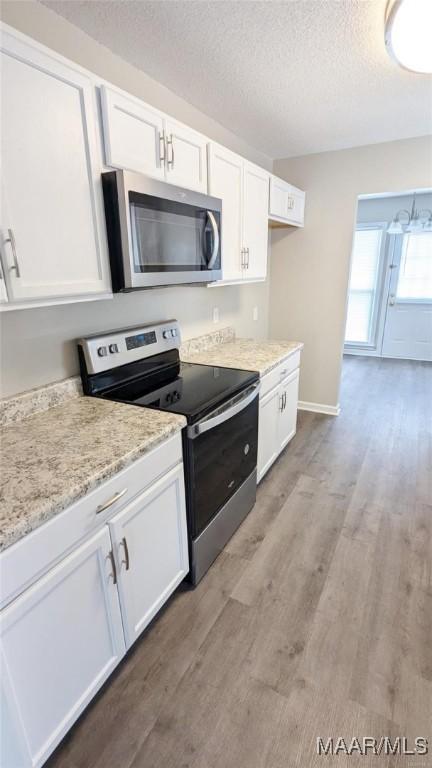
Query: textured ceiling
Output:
(289,77)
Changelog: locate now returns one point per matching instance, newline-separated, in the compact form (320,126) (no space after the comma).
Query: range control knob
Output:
(173,332)
(166,334)
(113,348)
(102,351)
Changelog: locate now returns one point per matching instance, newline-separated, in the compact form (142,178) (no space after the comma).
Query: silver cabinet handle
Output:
(215,250)
(392,300)
(11,240)
(162,148)
(242,257)
(285,399)
(113,566)
(170,144)
(111,501)
(126,551)
(247,263)
(281,403)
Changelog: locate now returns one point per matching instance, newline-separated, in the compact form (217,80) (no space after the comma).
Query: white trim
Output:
(30,304)
(329,410)
(362,351)
(380,282)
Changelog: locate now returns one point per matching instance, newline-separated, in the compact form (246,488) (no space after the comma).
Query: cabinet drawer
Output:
(33,555)
(275,376)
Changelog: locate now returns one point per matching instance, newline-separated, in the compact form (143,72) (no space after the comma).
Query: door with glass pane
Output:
(365,286)
(408,322)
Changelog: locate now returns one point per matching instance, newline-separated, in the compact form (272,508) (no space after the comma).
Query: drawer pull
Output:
(111,501)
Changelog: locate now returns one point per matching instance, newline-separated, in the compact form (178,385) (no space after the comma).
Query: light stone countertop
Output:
(248,354)
(52,459)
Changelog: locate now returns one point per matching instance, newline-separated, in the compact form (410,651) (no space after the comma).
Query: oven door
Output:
(221,453)
(168,235)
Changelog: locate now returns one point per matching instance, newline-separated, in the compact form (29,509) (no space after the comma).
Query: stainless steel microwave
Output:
(159,234)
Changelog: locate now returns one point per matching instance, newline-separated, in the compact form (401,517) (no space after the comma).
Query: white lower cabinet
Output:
(149,540)
(60,640)
(268,421)
(67,629)
(288,393)
(277,419)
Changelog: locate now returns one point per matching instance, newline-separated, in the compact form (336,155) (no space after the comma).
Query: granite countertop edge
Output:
(46,510)
(216,356)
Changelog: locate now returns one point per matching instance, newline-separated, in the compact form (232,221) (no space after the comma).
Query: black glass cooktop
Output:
(187,388)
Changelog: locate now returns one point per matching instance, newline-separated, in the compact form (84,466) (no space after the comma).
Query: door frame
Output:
(393,262)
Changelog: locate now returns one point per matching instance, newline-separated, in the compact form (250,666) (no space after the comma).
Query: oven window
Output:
(217,463)
(168,236)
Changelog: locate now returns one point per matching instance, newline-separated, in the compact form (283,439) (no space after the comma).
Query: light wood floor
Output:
(315,621)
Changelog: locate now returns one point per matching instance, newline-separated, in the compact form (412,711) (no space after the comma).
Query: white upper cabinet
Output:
(140,138)
(133,134)
(52,230)
(186,156)
(150,545)
(286,203)
(226,182)
(255,222)
(243,188)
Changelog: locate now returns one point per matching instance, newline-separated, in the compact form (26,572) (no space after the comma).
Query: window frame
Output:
(371,345)
(408,299)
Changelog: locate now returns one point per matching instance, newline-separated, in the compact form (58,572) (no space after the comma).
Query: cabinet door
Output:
(278,202)
(255,220)
(296,205)
(186,156)
(288,415)
(226,182)
(51,226)
(3,291)
(133,134)
(150,544)
(268,421)
(60,640)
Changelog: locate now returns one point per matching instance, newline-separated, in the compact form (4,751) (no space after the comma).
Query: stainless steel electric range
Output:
(141,366)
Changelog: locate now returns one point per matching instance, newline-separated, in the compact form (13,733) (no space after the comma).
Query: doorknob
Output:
(392,300)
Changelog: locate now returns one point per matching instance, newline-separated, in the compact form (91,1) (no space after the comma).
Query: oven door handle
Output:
(227,413)
(215,251)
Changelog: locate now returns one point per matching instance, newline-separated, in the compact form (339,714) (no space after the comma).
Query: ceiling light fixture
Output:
(414,223)
(408,34)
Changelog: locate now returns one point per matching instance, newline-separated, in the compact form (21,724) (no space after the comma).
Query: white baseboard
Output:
(329,410)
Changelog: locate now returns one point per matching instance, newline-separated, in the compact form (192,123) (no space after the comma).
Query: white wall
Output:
(38,345)
(310,267)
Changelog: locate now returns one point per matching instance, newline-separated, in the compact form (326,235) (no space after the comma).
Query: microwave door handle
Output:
(206,424)
(215,250)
